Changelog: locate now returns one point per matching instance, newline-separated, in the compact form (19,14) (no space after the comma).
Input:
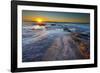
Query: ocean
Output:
(52,43)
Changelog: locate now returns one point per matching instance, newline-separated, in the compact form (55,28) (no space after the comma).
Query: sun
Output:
(39,20)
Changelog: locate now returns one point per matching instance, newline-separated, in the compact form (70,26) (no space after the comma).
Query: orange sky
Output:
(55,17)
(45,19)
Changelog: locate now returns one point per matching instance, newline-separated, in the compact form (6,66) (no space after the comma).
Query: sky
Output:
(46,16)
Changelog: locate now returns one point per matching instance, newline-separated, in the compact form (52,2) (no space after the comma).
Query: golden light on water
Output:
(38,27)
